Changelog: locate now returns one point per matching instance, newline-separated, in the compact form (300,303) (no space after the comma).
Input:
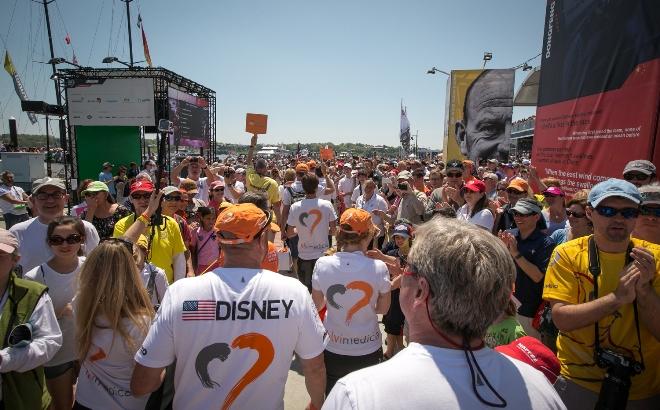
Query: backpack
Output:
(295,196)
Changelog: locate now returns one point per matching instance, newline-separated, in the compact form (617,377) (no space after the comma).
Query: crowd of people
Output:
(496,287)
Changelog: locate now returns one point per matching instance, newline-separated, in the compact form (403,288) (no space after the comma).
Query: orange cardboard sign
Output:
(327,153)
(256,123)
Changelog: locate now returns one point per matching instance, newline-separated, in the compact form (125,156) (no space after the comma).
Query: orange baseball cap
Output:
(243,222)
(358,219)
(302,167)
(518,184)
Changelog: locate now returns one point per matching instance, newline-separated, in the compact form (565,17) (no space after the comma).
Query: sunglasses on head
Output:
(72,239)
(454,174)
(631,176)
(610,212)
(649,211)
(575,214)
(172,198)
(141,196)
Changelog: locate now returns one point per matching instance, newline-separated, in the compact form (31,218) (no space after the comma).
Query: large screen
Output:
(111,101)
(190,117)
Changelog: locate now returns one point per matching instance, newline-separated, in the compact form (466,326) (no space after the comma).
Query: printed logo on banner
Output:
(255,341)
(358,285)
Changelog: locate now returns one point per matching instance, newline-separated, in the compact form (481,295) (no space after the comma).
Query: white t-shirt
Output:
(357,192)
(104,381)
(239,187)
(428,377)
(375,202)
(297,189)
(31,236)
(220,325)
(14,192)
(61,288)
(312,217)
(322,187)
(351,283)
(346,185)
(203,188)
(160,282)
(483,218)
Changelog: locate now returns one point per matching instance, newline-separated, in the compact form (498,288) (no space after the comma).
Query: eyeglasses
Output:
(172,198)
(609,212)
(127,244)
(72,239)
(575,214)
(517,214)
(137,197)
(631,176)
(649,211)
(43,196)
(218,189)
(90,194)
(454,175)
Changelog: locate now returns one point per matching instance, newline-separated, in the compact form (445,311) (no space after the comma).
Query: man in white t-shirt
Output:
(450,297)
(370,201)
(233,187)
(312,220)
(233,331)
(358,190)
(346,185)
(48,199)
(13,201)
(196,165)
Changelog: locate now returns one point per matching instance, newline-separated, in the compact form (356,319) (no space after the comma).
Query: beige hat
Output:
(8,241)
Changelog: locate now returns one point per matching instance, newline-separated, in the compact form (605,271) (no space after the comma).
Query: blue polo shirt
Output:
(536,248)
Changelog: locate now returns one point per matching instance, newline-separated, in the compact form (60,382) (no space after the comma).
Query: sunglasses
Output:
(609,212)
(43,196)
(575,214)
(218,190)
(143,196)
(172,198)
(521,215)
(648,211)
(454,175)
(72,239)
(635,176)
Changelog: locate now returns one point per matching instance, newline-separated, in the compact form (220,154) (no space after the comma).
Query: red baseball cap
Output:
(142,186)
(475,185)
(530,350)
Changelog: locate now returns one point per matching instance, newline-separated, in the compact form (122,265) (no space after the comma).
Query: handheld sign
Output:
(327,153)
(256,123)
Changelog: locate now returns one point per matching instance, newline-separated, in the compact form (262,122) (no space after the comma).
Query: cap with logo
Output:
(39,184)
(640,165)
(358,221)
(8,242)
(650,194)
(531,351)
(475,185)
(613,188)
(95,186)
(240,223)
(454,164)
(189,186)
(142,186)
(402,231)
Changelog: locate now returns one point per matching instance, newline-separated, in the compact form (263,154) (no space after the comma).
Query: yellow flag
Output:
(9,66)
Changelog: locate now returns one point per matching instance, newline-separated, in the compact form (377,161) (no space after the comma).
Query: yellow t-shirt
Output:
(567,279)
(262,185)
(165,244)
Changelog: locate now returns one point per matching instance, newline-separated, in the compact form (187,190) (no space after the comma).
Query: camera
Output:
(194,159)
(616,384)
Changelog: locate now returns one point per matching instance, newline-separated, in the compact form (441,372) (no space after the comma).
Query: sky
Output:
(331,71)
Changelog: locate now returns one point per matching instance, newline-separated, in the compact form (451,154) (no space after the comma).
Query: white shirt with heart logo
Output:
(231,323)
(312,217)
(351,283)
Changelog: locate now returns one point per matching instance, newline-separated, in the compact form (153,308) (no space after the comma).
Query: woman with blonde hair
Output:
(356,289)
(113,312)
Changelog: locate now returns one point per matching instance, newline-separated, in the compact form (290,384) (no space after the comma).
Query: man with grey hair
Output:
(647,226)
(449,306)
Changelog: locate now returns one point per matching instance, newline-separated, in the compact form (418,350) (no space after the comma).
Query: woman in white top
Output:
(113,312)
(476,209)
(64,236)
(356,289)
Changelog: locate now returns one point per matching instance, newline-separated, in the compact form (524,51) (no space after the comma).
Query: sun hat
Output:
(613,188)
(357,219)
(8,241)
(95,186)
(38,184)
(240,223)
(530,350)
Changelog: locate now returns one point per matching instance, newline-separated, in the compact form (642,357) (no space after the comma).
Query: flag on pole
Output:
(74,59)
(404,135)
(145,45)
(67,39)
(18,85)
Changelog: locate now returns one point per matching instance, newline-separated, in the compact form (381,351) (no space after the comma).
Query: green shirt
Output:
(504,332)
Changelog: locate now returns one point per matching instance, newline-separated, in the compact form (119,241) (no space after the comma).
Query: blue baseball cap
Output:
(614,188)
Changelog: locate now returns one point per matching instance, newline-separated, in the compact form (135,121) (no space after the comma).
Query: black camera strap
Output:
(594,269)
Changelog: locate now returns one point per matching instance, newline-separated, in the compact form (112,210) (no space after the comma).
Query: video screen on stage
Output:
(190,117)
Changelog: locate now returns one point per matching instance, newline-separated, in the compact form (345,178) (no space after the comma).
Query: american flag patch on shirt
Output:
(198,310)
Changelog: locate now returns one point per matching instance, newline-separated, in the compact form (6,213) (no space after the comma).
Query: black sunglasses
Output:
(649,211)
(575,214)
(72,239)
(174,198)
(609,212)
(143,196)
(631,176)
(520,215)
(218,189)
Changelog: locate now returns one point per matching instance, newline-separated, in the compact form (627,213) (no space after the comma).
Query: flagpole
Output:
(56,80)
(130,37)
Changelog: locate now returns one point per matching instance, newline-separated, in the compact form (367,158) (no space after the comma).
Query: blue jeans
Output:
(11,219)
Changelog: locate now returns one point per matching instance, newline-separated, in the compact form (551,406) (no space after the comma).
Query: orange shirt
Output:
(270,261)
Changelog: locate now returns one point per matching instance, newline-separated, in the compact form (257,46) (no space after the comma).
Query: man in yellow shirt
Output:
(257,181)
(166,246)
(623,309)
